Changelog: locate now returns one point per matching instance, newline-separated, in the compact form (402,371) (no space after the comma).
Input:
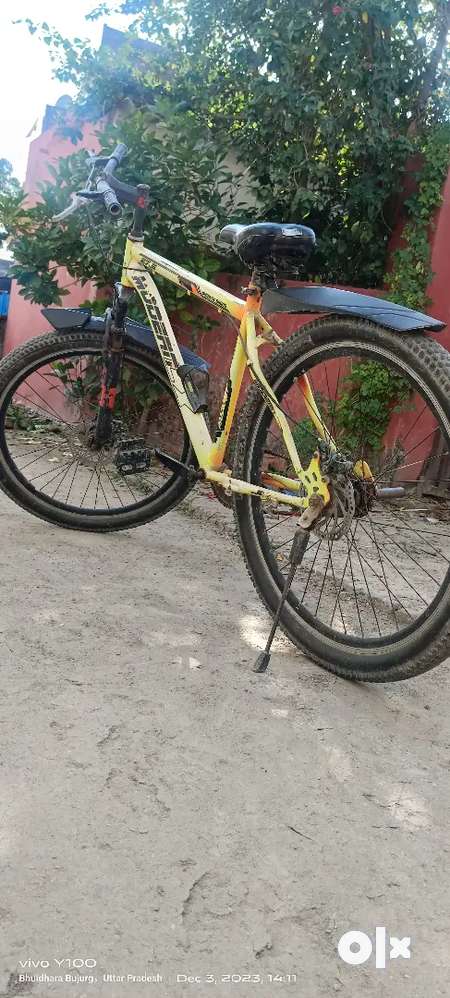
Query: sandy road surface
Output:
(165,811)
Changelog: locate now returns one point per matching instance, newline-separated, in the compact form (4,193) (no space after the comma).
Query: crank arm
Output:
(186,470)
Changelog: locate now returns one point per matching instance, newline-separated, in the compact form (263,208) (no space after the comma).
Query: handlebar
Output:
(112,192)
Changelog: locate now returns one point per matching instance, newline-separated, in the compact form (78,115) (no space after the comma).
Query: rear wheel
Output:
(371,597)
(49,461)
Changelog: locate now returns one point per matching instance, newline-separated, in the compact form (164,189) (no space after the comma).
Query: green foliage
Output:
(318,98)
(19,418)
(363,411)
(305,437)
(322,102)
(411,272)
(359,417)
(11,197)
(136,393)
(140,392)
(192,194)
(8,183)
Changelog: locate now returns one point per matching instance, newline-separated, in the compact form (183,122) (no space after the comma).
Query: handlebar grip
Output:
(110,201)
(119,152)
(115,159)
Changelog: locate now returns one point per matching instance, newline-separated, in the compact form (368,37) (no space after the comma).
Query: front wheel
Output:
(50,460)
(371,597)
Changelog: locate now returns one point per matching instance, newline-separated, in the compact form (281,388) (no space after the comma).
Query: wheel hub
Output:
(351,497)
(338,515)
(365,495)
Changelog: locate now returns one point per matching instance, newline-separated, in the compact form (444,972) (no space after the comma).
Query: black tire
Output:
(416,649)
(44,349)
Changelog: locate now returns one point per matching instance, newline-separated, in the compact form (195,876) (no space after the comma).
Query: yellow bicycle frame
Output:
(138,266)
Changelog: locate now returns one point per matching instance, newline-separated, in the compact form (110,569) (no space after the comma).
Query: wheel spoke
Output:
(354,586)
(383,570)
(56,417)
(383,573)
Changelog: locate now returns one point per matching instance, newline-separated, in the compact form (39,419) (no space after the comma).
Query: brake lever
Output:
(75,203)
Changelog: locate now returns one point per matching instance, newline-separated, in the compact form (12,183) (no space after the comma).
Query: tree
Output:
(8,183)
(323,102)
(10,197)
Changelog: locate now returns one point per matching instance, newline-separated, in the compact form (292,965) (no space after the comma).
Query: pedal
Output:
(132,457)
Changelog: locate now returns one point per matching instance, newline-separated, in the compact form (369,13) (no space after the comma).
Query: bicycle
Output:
(104,425)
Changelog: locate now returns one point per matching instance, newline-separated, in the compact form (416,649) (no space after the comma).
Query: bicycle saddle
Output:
(283,245)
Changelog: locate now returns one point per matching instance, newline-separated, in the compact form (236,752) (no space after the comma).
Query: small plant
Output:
(364,409)
(393,458)
(79,385)
(18,417)
(358,420)
(305,438)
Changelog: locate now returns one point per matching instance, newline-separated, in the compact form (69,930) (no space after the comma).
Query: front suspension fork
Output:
(112,366)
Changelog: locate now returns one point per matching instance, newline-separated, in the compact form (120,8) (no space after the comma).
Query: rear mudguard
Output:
(65,319)
(315,299)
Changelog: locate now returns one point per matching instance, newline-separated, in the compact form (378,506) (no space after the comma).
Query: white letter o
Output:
(350,939)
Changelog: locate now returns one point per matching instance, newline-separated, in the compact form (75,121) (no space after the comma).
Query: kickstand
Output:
(299,545)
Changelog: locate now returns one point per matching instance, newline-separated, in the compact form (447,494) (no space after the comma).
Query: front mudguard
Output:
(65,319)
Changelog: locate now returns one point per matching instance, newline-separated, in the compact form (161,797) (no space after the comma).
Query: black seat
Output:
(277,245)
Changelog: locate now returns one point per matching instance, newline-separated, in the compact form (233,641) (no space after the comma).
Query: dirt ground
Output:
(167,813)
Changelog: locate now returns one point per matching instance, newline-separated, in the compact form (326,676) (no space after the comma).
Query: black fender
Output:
(65,319)
(315,299)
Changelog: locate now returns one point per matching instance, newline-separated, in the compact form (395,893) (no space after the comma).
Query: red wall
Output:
(439,289)
(217,345)
(439,237)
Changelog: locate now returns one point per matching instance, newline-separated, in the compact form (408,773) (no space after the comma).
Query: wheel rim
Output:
(46,421)
(384,578)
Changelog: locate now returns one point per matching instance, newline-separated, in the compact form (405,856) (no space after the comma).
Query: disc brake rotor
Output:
(337,518)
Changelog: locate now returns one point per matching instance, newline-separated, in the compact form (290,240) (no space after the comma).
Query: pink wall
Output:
(217,345)
(439,237)
(24,318)
(439,289)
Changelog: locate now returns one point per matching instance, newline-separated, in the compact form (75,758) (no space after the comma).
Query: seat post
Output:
(256,279)
(253,291)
